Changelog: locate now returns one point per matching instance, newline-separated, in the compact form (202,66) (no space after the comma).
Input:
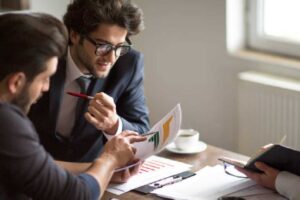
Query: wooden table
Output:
(208,157)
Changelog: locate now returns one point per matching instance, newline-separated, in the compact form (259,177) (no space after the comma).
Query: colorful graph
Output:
(155,139)
(166,132)
(166,128)
(153,165)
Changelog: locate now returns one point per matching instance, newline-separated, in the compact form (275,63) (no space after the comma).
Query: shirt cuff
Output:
(119,130)
(92,184)
(287,184)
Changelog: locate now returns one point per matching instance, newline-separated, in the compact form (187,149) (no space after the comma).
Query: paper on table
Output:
(209,183)
(153,169)
(257,192)
(167,129)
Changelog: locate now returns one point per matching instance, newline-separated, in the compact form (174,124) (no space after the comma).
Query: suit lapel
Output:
(56,92)
(97,85)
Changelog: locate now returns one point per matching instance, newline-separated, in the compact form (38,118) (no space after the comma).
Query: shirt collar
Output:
(72,71)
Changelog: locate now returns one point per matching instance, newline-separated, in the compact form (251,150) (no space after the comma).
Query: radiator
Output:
(268,109)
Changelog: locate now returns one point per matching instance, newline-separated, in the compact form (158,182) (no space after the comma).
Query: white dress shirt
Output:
(288,185)
(66,117)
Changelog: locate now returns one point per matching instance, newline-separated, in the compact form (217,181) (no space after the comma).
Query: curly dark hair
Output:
(84,16)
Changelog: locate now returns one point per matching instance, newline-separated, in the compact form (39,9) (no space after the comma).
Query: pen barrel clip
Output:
(169,181)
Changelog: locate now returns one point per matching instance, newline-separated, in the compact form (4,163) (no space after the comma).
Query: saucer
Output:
(201,146)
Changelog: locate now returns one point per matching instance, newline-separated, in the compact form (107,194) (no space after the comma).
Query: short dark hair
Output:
(84,16)
(27,41)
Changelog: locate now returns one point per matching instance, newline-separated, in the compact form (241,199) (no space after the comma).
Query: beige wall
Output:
(55,7)
(186,61)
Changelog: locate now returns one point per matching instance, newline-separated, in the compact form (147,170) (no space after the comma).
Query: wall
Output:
(55,7)
(186,61)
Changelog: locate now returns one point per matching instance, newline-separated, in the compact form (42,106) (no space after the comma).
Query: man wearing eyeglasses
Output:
(100,63)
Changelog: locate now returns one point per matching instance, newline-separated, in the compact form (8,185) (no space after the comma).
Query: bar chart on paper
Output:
(154,168)
(153,165)
(166,130)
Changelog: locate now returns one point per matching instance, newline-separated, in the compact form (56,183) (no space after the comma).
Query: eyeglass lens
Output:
(104,49)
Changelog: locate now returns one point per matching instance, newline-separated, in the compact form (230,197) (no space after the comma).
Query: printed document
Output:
(210,183)
(154,168)
(166,130)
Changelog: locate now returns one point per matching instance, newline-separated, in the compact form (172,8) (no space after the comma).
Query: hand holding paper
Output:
(160,135)
(165,132)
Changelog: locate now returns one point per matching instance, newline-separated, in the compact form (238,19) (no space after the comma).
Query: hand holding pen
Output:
(101,112)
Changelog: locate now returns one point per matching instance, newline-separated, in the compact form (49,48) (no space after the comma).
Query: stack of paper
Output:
(154,168)
(209,184)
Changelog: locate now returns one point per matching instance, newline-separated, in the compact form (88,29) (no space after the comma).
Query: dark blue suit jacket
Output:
(124,84)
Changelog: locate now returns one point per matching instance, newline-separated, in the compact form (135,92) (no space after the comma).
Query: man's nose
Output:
(46,86)
(111,56)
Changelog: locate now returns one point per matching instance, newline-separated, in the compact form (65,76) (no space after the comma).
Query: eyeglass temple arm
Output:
(128,41)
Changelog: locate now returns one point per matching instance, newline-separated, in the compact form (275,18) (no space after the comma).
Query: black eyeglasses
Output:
(104,48)
(232,171)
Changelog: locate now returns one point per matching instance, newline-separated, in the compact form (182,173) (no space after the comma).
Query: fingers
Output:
(137,138)
(133,150)
(134,170)
(121,177)
(267,178)
(246,172)
(104,100)
(261,166)
(91,119)
(128,133)
(125,175)
(98,112)
(266,168)
(133,136)
(102,113)
(252,175)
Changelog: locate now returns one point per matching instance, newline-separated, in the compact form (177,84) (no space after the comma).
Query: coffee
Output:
(185,135)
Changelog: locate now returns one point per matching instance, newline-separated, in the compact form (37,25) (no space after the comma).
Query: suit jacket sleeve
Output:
(26,168)
(131,106)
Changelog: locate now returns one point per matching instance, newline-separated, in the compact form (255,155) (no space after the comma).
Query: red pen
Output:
(80,95)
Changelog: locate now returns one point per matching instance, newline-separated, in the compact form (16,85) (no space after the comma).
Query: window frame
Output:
(256,40)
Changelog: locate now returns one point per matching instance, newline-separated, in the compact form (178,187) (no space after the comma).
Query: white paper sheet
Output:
(209,184)
(153,169)
(257,192)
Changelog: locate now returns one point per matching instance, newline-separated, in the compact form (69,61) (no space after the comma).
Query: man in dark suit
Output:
(100,63)
(30,47)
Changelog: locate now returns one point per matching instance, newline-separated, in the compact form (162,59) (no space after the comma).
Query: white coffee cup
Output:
(187,139)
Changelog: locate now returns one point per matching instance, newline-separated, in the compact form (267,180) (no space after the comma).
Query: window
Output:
(274,26)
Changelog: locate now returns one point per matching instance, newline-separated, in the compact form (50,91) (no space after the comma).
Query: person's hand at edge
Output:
(266,179)
(124,175)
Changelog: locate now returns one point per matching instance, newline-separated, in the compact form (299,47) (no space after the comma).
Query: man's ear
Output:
(16,82)
(74,37)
